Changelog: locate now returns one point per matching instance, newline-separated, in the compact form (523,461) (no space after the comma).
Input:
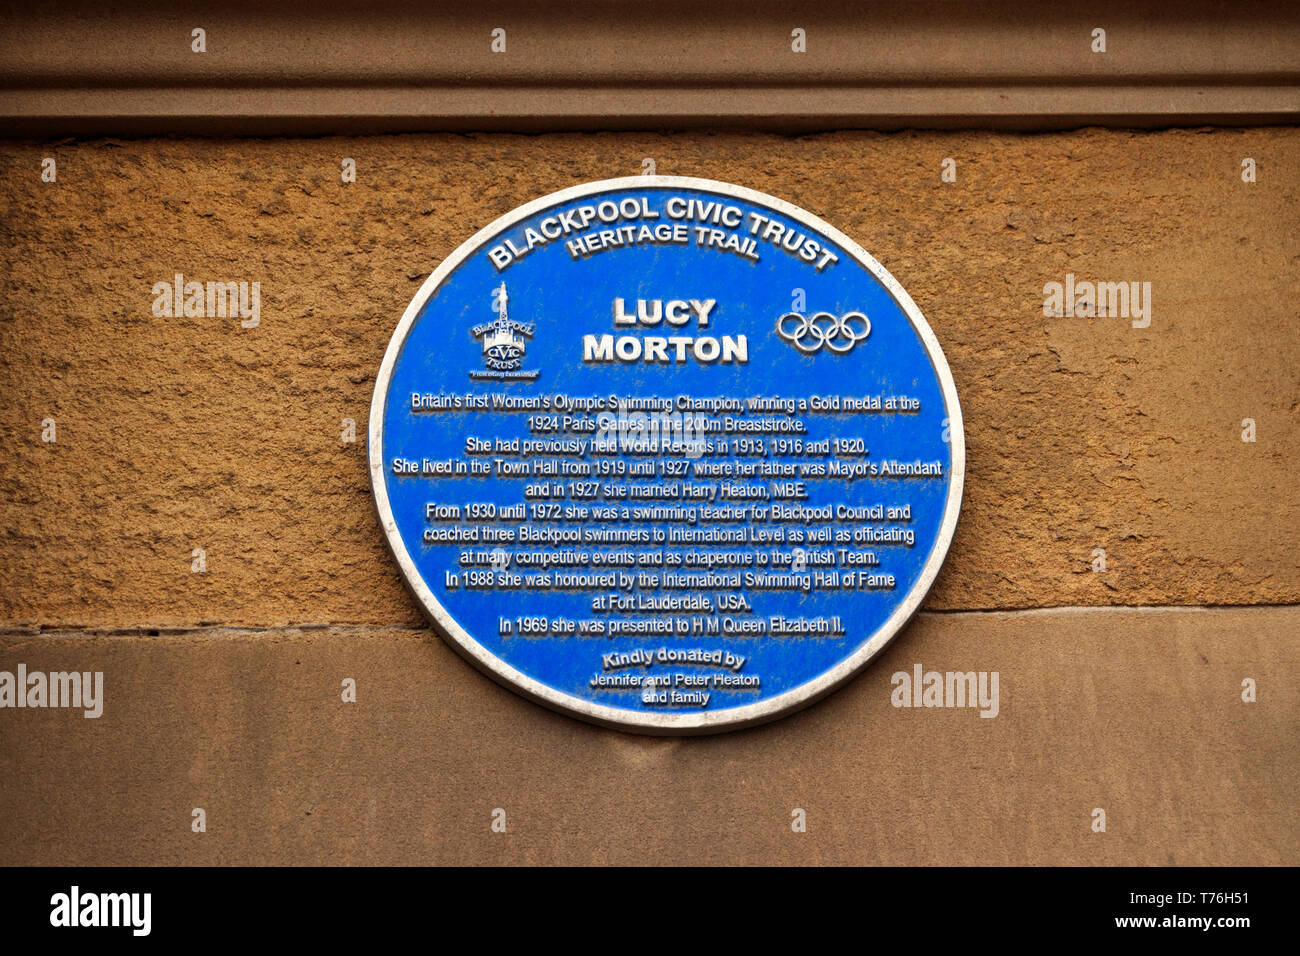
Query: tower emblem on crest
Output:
(504,342)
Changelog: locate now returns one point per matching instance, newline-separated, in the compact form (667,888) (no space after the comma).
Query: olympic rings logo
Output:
(809,334)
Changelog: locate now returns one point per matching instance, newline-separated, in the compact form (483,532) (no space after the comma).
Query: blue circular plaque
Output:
(666,454)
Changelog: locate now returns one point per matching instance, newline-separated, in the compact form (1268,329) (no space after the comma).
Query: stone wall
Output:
(1121,689)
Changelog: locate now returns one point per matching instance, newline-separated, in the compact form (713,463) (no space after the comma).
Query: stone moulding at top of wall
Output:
(83,69)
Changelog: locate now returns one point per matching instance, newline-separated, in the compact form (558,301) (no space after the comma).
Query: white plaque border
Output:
(674,722)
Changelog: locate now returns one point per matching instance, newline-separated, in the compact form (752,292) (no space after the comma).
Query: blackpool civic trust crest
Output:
(504,343)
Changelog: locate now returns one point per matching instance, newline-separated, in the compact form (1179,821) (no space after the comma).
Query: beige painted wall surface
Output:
(183,433)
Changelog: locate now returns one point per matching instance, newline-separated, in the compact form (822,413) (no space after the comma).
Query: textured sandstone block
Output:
(1137,712)
(183,433)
